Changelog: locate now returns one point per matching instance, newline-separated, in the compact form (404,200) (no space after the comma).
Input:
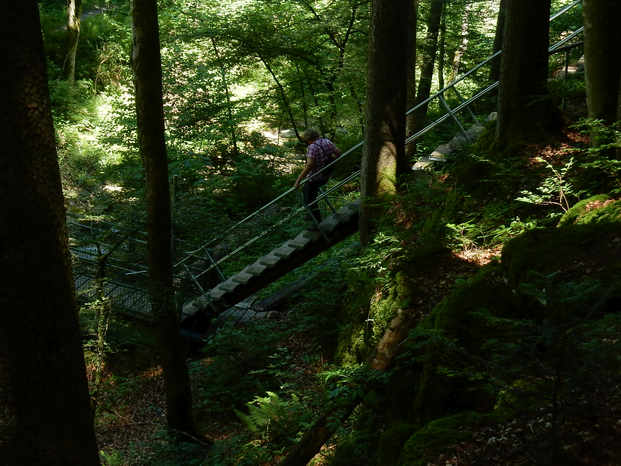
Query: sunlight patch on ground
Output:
(479,256)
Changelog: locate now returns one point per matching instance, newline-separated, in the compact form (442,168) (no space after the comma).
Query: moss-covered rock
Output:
(392,441)
(486,290)
(578,210)
(474,353)
(554,275)
(426,443)
(596,209)
(589,233)
(458,328)
(547,275)
(522,395)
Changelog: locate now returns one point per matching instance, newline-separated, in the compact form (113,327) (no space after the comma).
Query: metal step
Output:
(242,277)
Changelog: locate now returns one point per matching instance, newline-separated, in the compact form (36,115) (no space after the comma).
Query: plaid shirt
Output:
(321,151)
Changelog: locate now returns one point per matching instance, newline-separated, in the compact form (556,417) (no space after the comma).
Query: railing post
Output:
(321,192)
(215,265)
(196,282)
(450,111)
(461,101)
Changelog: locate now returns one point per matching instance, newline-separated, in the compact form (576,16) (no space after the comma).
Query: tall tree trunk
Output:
(303,95)
(74,10)
(410,122)
(322,126)
(494,74)
(229,106)
(53,420)
(442,51)
(619,118)
(463,45)
(283,94)
(602,40)
(525,111)
(359,106)
(340,41)
(384,151)
(429,56)
(146,63)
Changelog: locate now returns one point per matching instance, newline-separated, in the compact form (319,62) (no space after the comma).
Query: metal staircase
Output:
(202,272)
(266,269)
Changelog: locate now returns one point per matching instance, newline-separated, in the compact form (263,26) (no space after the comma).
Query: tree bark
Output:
(410,122)
(442,51)
(619,119)
(359,106)
(429,56)
(322,429)
(463,45)
(524,108)
(384,154)
(52,418)
(340,42)
(146,63)
(283,94)
(309,81)
(303,95)
(229,105)
(74,10)
(602,40)
(494,74)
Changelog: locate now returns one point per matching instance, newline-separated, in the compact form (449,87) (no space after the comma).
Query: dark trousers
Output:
(310,191)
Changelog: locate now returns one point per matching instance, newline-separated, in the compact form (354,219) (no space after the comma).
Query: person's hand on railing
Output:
(310,164)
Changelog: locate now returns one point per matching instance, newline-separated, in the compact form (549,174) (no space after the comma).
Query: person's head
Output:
(310,135)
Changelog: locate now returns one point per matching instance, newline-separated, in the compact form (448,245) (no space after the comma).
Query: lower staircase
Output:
(198,313)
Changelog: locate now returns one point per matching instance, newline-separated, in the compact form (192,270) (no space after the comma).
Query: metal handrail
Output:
(411,138)
(298,210)
(266,206)
(562,42)
(136,292)
(480,65)
(564,10)
(450,114)
(446,116)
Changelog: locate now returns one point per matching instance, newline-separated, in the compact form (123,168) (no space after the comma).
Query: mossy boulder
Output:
(428,442)
(460,326)
(587,241)
(522,395)
(595,209)
(546,275)
(485,291)
(391,442)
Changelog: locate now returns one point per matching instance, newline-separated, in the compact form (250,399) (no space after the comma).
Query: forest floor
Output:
(130,401)
(131,412)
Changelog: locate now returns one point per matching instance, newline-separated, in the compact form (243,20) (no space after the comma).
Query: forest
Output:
(310,232)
